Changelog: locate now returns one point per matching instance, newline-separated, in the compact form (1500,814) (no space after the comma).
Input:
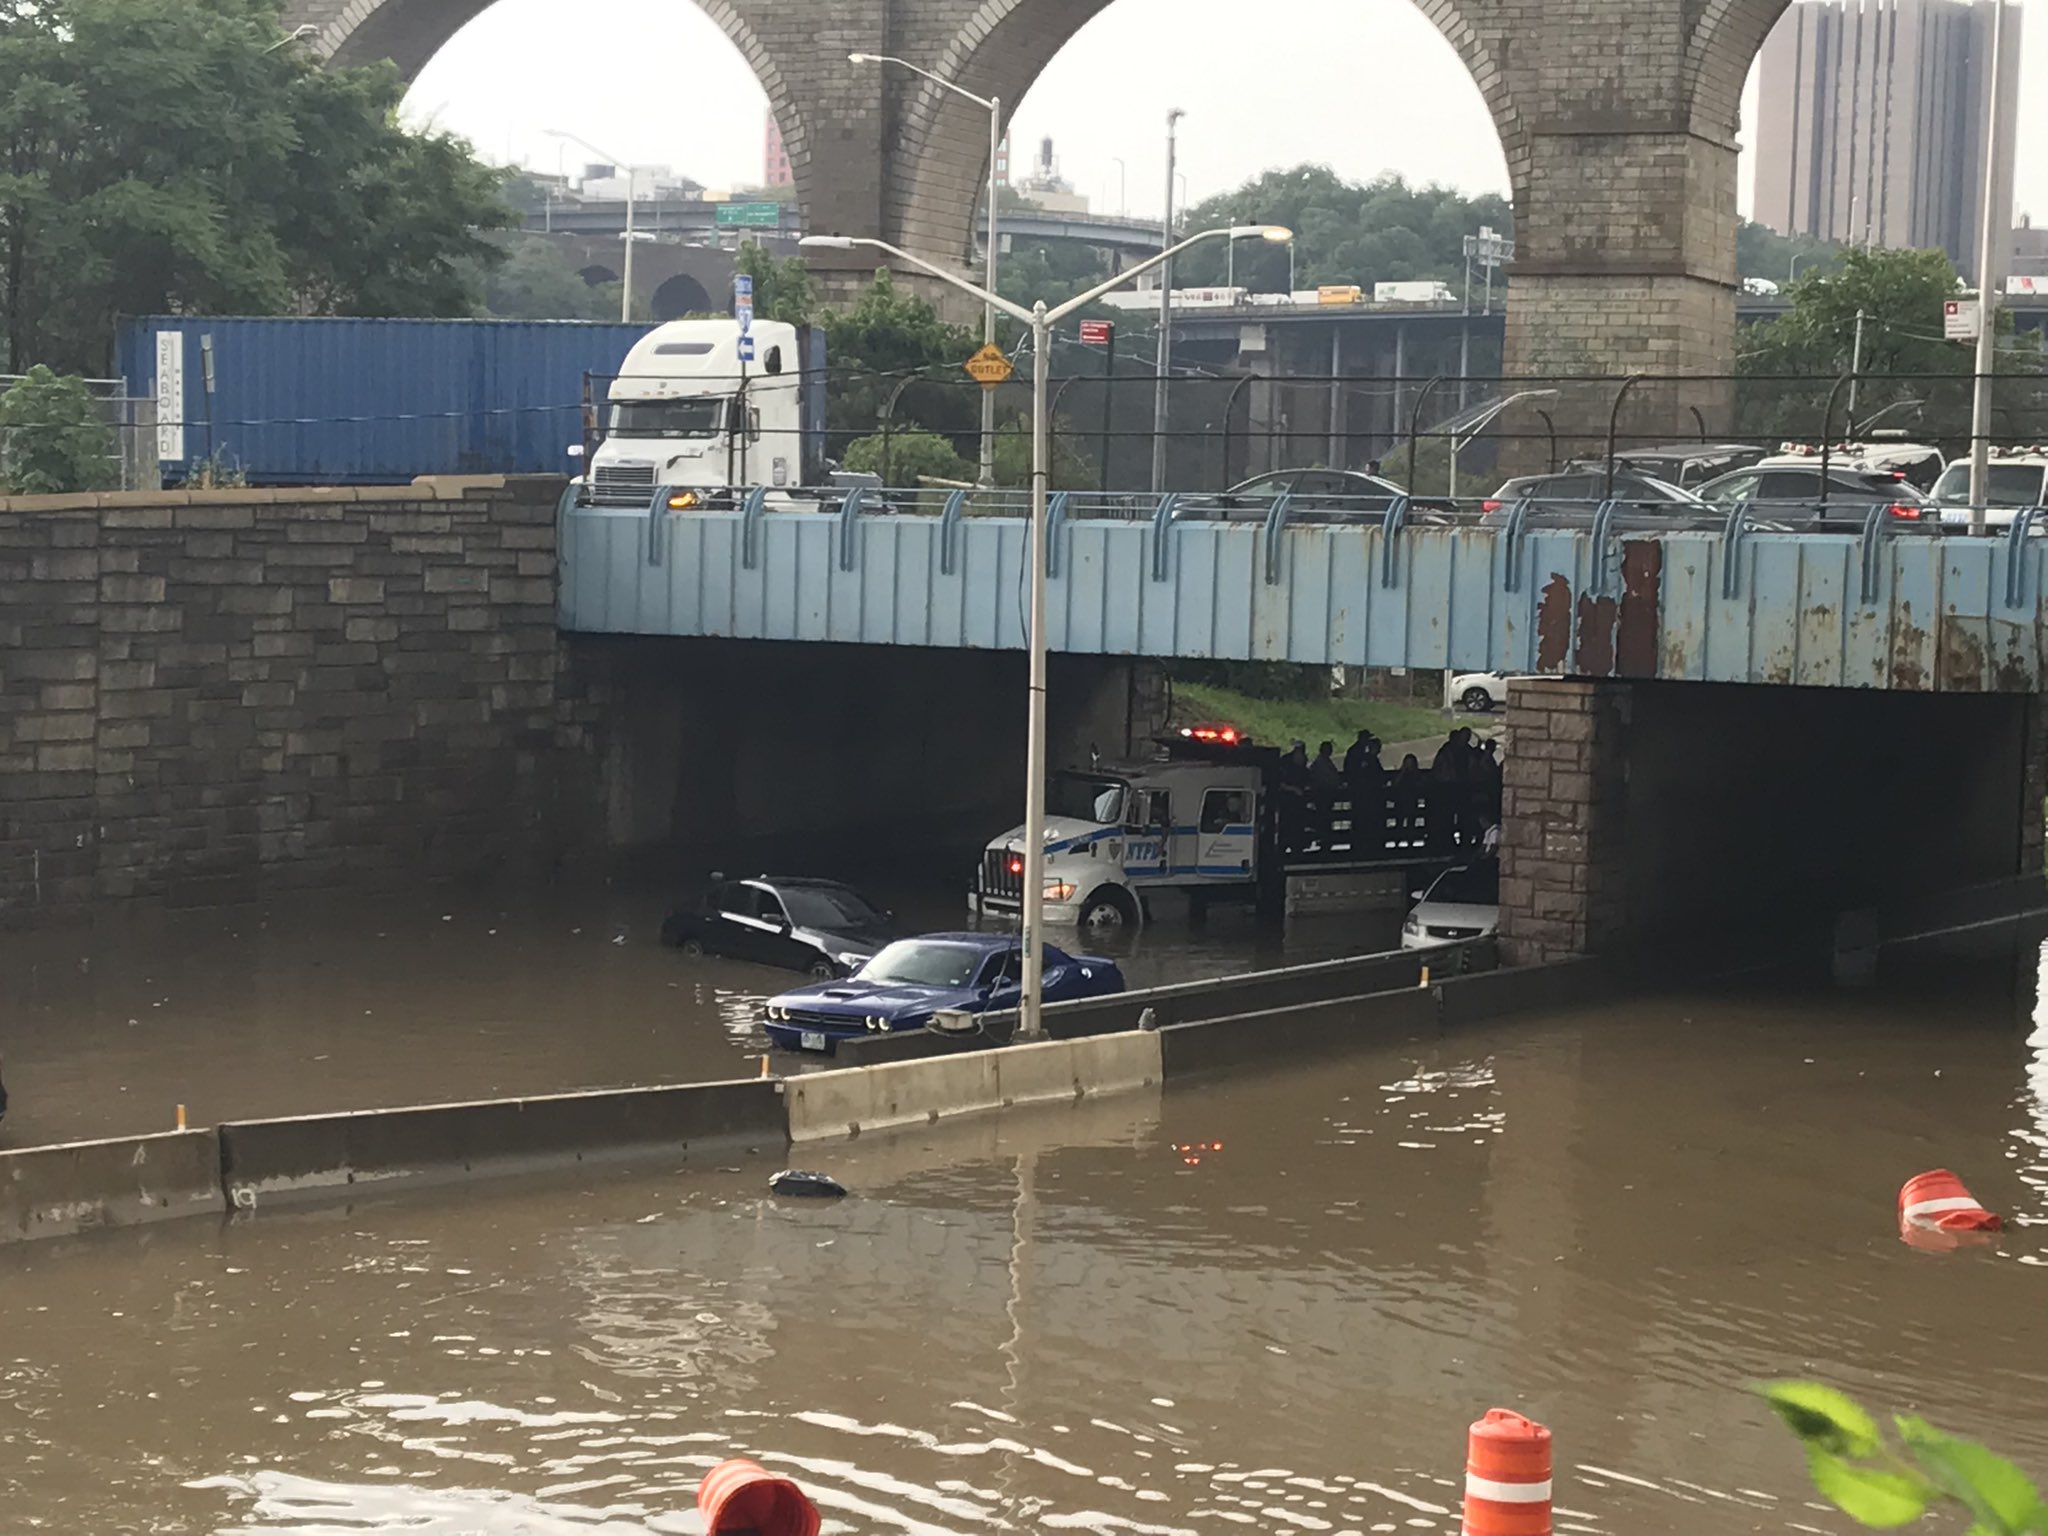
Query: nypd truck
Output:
(1197,823)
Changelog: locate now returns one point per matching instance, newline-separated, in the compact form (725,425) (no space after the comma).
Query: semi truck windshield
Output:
(698,417)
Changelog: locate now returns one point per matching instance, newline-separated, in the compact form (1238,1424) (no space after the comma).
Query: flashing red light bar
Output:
(1225,734)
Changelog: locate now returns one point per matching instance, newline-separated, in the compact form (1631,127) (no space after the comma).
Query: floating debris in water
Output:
(806,1186)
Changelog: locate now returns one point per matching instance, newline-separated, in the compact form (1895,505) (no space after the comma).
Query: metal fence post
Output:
(1827,431)
(1613,429)
(1415,425)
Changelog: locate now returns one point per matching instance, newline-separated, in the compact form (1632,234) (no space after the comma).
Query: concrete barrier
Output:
(854,1100)
(58,1190)
(1561,984)
(1194,1002)
(268,1160)
(1275,1036)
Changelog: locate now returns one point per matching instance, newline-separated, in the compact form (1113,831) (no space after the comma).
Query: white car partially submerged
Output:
(1461,903)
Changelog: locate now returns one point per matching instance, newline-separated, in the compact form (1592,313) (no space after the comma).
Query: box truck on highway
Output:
(1413,293)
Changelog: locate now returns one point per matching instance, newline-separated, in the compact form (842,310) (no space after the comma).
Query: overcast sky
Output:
(1365,86)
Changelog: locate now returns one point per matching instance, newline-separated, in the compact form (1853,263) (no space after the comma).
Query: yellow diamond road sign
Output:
(989,367)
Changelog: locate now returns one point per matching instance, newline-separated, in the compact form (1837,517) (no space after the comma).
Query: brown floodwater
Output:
(1613,1219)
(444,994)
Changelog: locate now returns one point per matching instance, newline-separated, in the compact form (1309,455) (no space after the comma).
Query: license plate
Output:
(812,1040)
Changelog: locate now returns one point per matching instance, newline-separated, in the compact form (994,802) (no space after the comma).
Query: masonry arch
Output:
(1001,47)
(411,32)
(679,296)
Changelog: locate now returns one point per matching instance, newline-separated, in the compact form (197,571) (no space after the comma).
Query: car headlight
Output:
(874,1021)
(1413,925)
(771,1013)
(1060,890)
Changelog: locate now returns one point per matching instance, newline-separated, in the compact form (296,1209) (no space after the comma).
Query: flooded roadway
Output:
(1613,1219)
(319,1004)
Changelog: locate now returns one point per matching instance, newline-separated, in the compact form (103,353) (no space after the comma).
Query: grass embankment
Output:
(1278,721)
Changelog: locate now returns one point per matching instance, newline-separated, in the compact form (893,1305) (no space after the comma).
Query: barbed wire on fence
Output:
(1225,428)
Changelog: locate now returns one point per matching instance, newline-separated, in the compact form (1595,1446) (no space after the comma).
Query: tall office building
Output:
(1870,124)
(776,169)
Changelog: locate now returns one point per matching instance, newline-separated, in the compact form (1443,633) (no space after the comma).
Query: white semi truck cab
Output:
(687,411)
(1115,835)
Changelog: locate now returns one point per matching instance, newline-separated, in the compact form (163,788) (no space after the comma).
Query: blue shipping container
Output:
(368,402)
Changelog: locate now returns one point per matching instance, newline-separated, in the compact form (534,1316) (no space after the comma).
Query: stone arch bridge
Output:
(1618,119)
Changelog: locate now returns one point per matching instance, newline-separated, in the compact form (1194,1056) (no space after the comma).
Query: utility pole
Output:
(1165,351)
(1855,362)
(1992,238)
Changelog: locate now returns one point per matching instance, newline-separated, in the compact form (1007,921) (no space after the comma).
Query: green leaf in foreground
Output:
(1997,1493)
(1867,1495)
(1822,1418)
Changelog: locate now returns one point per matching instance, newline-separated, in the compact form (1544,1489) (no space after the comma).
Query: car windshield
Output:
(698,417)
(1085,797)
(922,963)
(2006,485)
(828,906)
(1471,885)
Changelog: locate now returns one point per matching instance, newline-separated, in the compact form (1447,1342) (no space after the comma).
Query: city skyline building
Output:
(1871,123)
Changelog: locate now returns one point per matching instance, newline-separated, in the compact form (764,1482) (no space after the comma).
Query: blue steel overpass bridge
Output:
(1597,595)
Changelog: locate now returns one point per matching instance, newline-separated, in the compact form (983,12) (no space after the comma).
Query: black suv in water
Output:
(819,927)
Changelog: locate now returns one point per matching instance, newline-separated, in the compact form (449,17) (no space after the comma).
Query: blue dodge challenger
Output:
(910,980)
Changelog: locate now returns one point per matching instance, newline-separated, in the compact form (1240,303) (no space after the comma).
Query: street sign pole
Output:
(1108,390)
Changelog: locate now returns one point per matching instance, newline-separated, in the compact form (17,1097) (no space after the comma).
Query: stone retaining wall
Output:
(207,695)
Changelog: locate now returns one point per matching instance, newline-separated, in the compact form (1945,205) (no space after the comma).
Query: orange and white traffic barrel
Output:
(1507,1477)
(738,1496)
(1937,1202)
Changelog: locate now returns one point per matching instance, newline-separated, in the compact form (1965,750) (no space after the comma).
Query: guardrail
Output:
(1871,523)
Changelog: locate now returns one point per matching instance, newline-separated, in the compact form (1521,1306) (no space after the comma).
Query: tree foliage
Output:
(1383,230)
(1763,252)
(1907,370)
(167,156)
(783,290)
(1881,1485)
(535,281)
(1073,468)
(907,458)
(53,438)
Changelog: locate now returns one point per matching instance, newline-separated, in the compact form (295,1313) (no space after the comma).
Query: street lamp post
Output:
(299,34)
(1041,320)
(1164,355)
(632,235)
(994,107)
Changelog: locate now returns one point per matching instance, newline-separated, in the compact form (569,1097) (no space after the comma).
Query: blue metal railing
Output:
(1277,516)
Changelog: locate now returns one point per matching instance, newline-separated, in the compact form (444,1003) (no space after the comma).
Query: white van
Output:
(2014,480)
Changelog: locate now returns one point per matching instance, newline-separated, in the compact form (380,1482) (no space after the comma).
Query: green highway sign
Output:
(748,216)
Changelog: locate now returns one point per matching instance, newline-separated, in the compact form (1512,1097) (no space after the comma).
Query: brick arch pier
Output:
(1618,119)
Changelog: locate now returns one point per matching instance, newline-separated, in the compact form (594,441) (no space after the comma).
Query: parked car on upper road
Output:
(1788,489)
(912,979)
(1316,496)
(1685,465)
(2014,480)
(1479,691)
(1637,491)
(817,926)
(1461,903)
